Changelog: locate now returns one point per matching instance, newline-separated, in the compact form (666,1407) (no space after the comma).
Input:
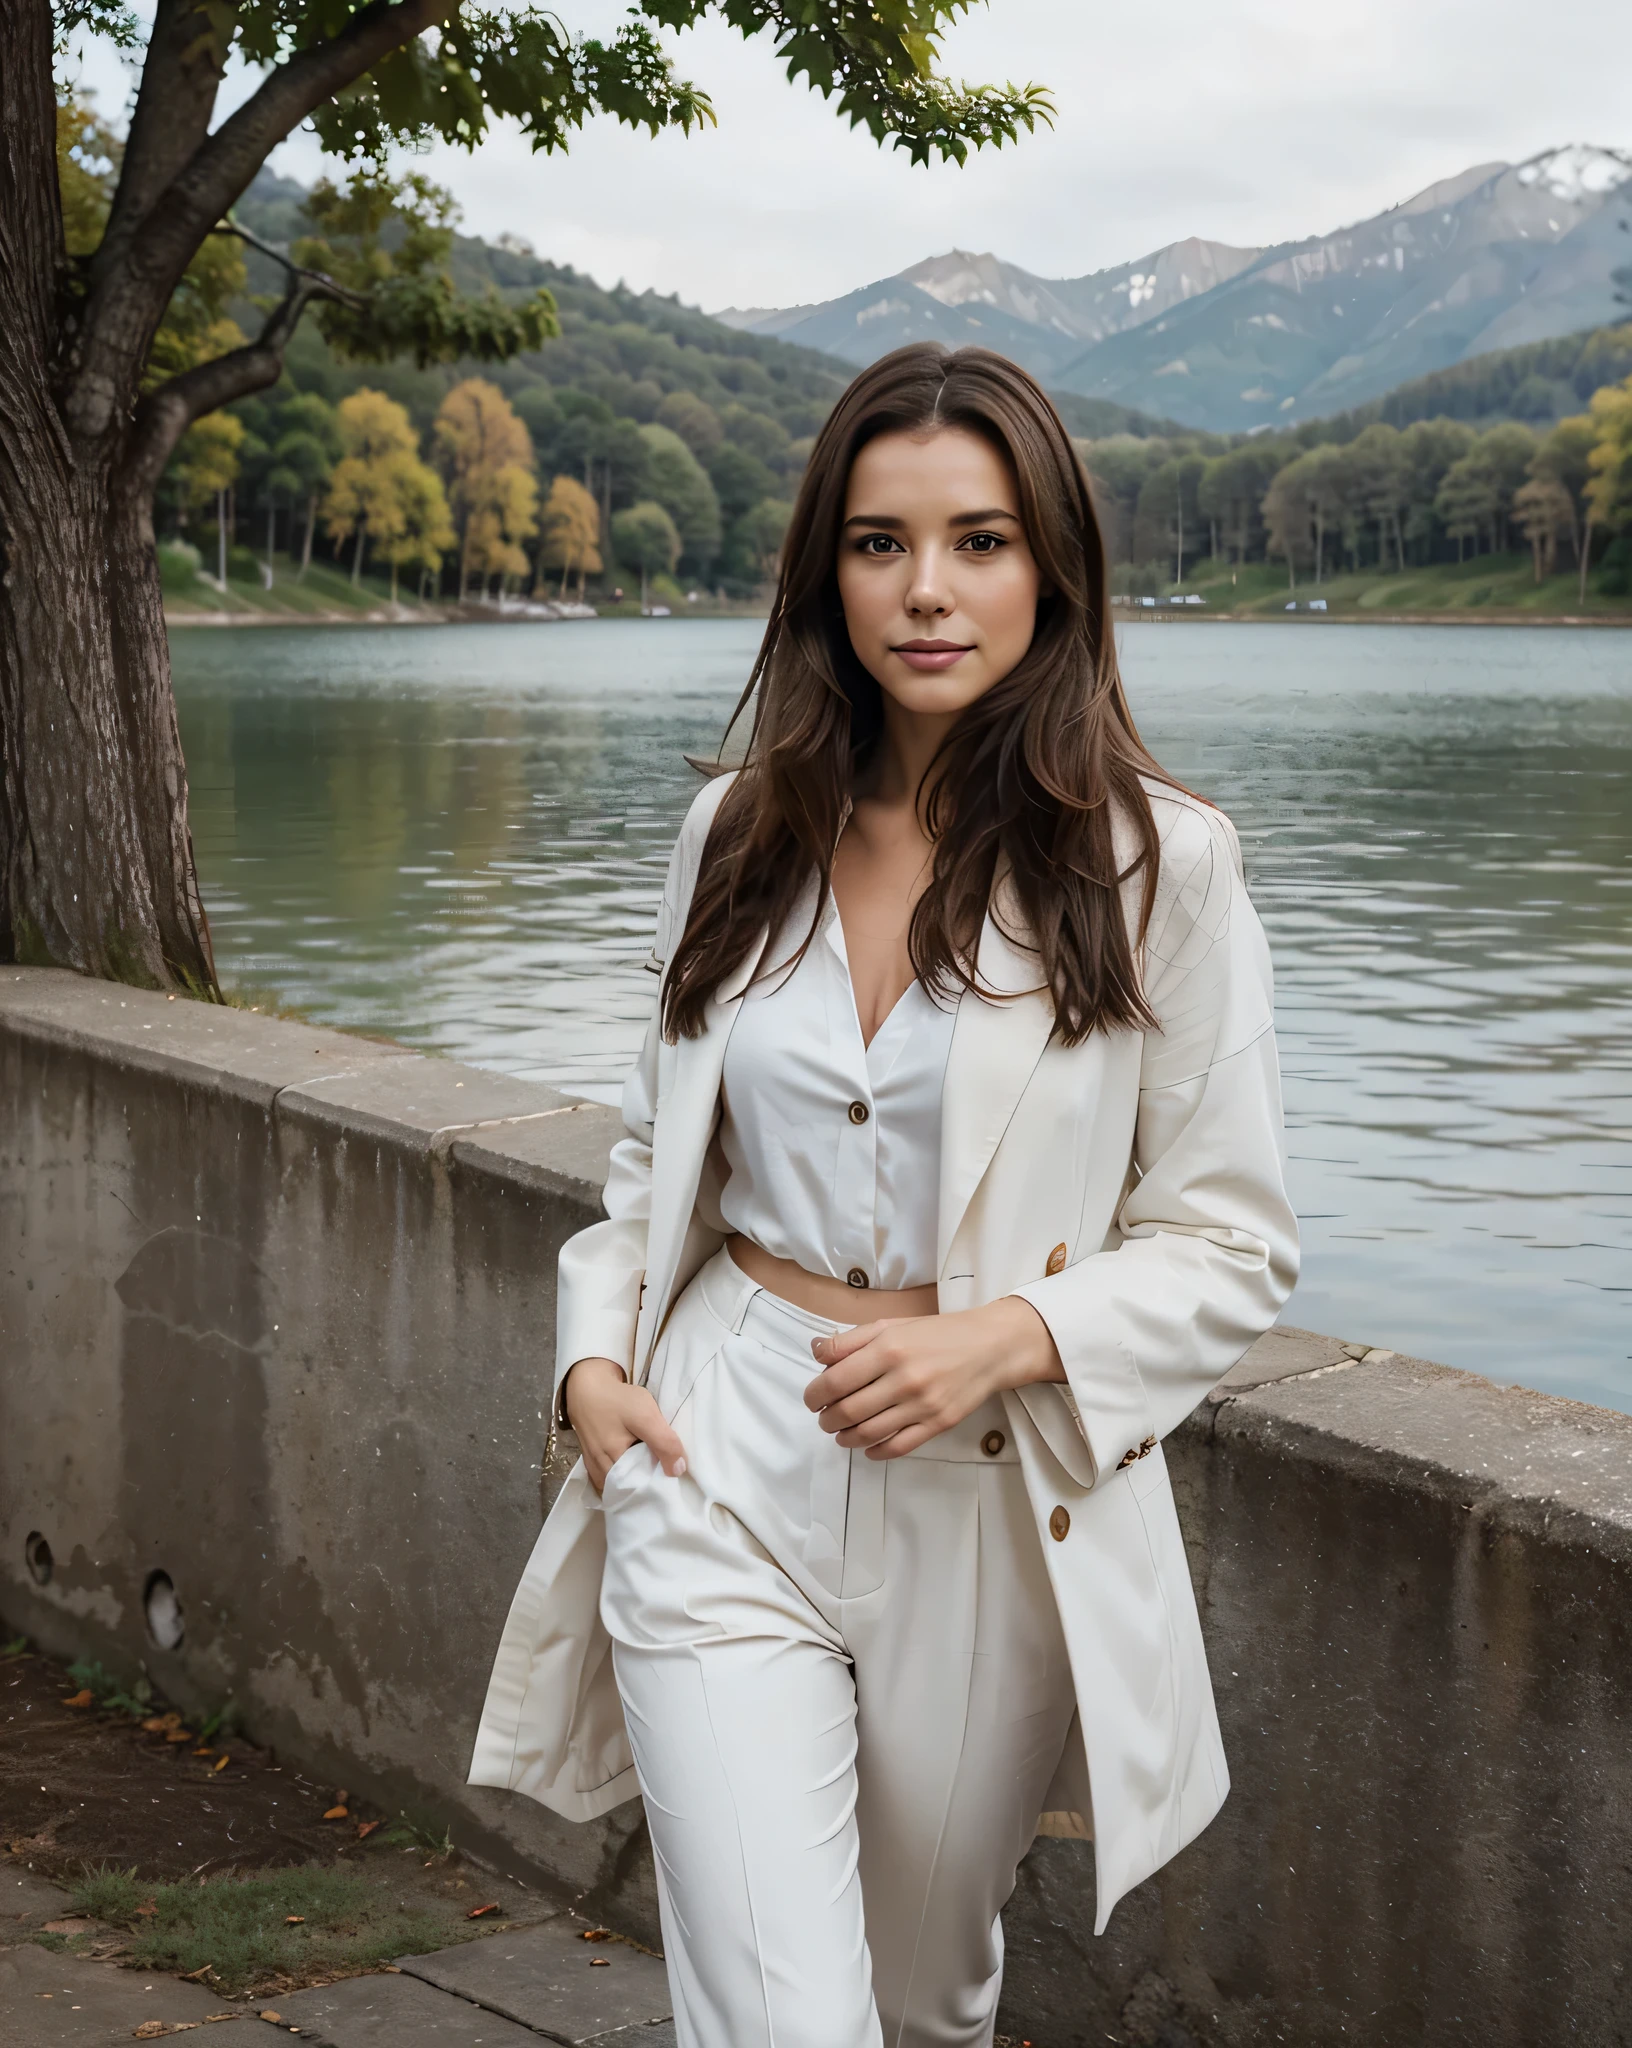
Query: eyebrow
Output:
(958,518)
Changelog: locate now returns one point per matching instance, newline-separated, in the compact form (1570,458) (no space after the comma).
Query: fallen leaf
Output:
(338,1813)
(155,1724)
(210,2018)
(179,1735)
(294,1919)
(476,1912)
(150,2030)
(80,1699)
(278,2016)
(600,1962)
(221,1763)
(193,1976)
(68,1926)
(203,1752)
(365,1829)
(596,1934)
(146,1912)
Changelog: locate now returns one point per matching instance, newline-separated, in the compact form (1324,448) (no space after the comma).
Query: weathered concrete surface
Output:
(275,1318)
(549,1978)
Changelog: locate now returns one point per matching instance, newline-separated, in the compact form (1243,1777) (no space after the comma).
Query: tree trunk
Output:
(98,860)
(1586,557)
(271,536)
(221,540)
(306,545)
(357,554)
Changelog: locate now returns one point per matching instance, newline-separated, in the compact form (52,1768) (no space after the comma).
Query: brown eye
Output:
(982,543)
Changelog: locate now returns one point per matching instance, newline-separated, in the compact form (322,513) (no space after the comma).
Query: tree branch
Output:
(128,298)
(181,74)
(166,414)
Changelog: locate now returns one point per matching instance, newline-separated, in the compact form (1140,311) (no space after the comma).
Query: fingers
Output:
(658,1437)
(832,1350)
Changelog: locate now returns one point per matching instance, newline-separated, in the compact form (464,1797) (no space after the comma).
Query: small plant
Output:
(110,1695)
(108,1894)
(419,1831)
(15,1648)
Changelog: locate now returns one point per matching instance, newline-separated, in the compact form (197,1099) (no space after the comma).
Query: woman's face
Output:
(937,579)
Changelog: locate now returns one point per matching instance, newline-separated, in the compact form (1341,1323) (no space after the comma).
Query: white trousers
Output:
(846,1690)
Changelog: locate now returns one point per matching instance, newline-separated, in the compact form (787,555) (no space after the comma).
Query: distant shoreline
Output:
(1122,615)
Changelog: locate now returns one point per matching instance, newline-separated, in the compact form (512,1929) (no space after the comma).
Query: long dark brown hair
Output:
(1025,786)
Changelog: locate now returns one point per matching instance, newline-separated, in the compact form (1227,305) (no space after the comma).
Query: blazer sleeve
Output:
(1208,1249)
(601,1269)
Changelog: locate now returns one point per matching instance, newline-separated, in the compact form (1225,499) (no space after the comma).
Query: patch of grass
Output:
(56,1943)
(15,1648)
(252,1932)
(108,1894)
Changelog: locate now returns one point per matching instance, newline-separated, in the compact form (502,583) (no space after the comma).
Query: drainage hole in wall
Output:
(164,1617)
(37,1553)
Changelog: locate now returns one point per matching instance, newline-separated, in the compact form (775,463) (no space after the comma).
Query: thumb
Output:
(661,1441)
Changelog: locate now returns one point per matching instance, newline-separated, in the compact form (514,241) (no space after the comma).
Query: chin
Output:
(937,695)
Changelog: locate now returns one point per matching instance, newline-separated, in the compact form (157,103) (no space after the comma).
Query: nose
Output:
(930,595)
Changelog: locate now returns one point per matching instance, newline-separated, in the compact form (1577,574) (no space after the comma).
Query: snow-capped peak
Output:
(1578,173)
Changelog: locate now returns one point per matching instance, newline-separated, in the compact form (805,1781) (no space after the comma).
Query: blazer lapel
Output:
(682,1135)
(996,1044)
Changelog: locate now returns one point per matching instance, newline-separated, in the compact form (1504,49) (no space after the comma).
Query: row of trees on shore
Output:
(472,506)
(1437,490)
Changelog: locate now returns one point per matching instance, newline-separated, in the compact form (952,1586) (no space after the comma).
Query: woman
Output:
(953,1181)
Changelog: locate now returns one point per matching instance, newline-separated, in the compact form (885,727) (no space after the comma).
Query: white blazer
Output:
(1131,1188)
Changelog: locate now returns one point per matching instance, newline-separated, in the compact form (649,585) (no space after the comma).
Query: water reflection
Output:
(456,837)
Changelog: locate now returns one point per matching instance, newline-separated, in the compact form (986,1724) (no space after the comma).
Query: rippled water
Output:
(456,837)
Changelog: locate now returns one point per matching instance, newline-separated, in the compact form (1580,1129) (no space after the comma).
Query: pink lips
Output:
(930,655)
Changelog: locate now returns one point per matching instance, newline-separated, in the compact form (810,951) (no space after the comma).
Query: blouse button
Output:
(992,1442)
(856,1277)
(1056,1261)
(1059,1525)
(859,1112)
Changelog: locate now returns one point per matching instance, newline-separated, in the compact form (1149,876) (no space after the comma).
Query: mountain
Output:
(961,298)
(1233,339)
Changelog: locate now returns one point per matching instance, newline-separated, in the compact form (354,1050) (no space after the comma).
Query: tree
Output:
(364,493)
(680,484)
(694,420)
(1506,452)
(646,538)
(1168,518)
(570,526)
(302,457)
(206,468)
(764,529)
(1382,485)
(96,861)
(486,454)
(1468,501)
(1289,519)
(1544,511)
(1231,491)
(1564,457)
(420,530)
(1609,494)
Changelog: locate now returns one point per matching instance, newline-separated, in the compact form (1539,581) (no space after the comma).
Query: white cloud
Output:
(1248,124)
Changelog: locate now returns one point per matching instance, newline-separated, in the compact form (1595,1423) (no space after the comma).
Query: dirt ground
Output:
(84,1790)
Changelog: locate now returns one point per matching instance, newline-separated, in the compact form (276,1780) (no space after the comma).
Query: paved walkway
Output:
(505,1991)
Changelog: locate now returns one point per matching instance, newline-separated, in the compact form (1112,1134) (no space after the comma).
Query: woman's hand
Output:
(888,1387)
(608,1415)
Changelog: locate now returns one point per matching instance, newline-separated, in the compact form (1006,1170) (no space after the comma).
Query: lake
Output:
(455,837)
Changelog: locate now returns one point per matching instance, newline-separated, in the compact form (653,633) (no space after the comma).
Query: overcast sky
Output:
(1253,123)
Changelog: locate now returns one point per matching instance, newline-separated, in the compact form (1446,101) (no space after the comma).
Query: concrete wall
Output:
(276,1313)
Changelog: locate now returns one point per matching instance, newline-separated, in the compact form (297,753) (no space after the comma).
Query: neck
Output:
(906,750)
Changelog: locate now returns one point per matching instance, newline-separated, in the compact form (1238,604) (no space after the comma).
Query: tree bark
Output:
(96,862)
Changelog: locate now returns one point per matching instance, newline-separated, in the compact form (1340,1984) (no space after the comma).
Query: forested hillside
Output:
(650,442)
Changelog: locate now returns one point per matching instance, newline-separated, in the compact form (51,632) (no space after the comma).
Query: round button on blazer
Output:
(1131,1188)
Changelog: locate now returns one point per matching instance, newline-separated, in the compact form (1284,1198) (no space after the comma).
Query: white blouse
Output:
(833,1146)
